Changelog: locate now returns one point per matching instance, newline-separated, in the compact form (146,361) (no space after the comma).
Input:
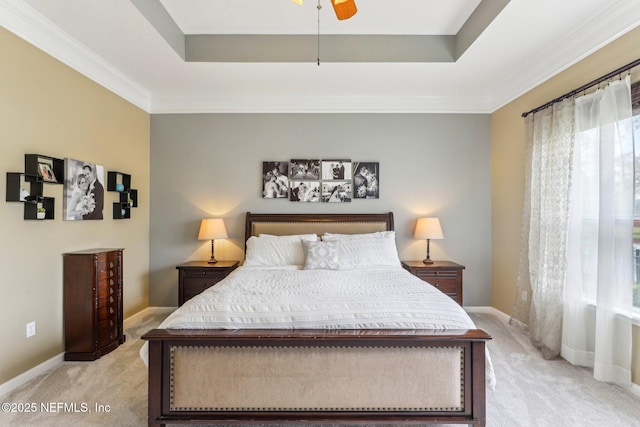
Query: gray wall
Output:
(211,165)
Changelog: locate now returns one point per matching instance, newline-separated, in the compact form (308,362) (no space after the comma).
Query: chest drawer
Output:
(107,308)
(107,332)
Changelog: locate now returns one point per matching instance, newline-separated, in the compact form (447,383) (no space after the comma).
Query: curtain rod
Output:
(587,86)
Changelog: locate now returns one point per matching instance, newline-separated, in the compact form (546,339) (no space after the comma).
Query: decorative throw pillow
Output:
(320,255)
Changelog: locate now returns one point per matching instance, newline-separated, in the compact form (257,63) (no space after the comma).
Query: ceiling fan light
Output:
(344,9)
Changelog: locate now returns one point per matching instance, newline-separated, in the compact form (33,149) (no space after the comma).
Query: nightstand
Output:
(196,276)
(444,275)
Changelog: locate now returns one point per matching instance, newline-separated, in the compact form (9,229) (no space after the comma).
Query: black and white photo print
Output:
(305,169)
(336,170)
(366,180)
(275,180)
(305,191)
(336,191)
(83,190)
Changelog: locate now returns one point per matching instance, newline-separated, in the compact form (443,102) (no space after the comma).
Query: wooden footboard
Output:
(316,376)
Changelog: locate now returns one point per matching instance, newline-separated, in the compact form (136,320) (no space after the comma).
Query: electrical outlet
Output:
(31,329)
(524,296)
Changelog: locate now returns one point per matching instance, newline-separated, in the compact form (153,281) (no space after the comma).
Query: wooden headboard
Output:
(283,224)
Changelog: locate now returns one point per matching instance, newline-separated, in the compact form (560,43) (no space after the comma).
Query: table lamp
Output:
(428,228)
(211,229)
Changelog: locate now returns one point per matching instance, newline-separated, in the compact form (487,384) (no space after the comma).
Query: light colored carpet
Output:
(530,391)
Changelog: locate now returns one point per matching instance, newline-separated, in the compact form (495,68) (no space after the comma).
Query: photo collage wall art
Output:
(313,180)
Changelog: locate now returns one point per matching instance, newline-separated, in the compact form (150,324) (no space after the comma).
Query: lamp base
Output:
(427,260)
(213,259)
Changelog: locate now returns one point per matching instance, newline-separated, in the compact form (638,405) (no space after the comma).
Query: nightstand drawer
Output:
(205,274)
(445,283)
(201,283)
(193,290)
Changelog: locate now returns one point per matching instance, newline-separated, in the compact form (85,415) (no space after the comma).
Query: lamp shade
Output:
(212,228)
(428,228)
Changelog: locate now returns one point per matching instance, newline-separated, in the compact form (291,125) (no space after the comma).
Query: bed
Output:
(215,361)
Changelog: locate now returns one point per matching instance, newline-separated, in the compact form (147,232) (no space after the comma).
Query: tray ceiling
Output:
(465,56)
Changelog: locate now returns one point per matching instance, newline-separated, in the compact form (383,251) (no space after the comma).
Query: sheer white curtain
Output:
(599,244)
(542,262)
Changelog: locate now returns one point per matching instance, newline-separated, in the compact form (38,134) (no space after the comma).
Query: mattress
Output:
(292,298)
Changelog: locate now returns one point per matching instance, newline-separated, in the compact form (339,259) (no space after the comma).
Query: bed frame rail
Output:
(164,344)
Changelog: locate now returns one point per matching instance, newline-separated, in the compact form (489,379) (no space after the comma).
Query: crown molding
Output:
(615,20)
(29,25)
(318,104)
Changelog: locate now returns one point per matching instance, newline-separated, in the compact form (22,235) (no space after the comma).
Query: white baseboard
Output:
(43,367)
(21,379)
(635,389)
(488,310)
(146,311)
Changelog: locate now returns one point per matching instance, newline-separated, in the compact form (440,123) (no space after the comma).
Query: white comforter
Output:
(259,298)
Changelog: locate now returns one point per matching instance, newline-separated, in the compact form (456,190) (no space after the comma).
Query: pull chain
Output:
(319,8)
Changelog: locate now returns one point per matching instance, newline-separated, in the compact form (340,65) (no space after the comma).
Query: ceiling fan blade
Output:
(344,9)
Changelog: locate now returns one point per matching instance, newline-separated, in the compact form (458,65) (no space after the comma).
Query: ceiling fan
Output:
(344,9)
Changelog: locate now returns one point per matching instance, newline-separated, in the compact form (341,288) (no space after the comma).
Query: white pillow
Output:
(367,252)
(276,250)
(328,237)
(320,255)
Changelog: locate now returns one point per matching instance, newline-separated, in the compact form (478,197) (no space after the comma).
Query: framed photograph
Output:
(336,192)
(305,191)
(45,170)
(366,180)
(305,169)
(336,170)
(83,190)
(275,180)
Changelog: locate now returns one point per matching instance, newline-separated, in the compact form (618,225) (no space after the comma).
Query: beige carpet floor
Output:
(530,391)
